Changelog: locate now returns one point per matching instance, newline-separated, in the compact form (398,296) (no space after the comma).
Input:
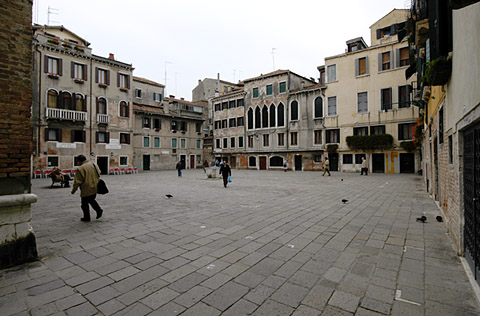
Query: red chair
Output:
(111,171)
(66,172)
(72,172)
(37,174)
(116,171)
(46,173)
(122,170)
(130,170)
(135,170)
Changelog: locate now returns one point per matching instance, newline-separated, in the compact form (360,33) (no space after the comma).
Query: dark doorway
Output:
(407,163)
(263,163)
(298,162)
(146,162)
(471,194)
(102,163)
(378,163)
(333,161)
(435,164)
(233,162)
(183,159)
(192,162)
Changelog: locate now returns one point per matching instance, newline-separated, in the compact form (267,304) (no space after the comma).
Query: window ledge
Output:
(362,76)
(53,76)
(80,81)
(124,89)
(102,85)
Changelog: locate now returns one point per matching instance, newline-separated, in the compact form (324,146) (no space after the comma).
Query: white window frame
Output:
(159,143)
(256,162)
(102,79)
(199,144)
(123,78)
(333,66)
(243,142)
(358,112)
(176,143)
(323,108)
(120,160)
(266,89)
(138,92)
(321,137)
(265,136)
(184,141)
(279,87)
(58,159)
(143,142)
(51,67)
(128,106)
(156,97)
(75,71)
(291,138)
(336,106)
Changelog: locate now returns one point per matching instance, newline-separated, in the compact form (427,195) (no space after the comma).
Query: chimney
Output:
(303,84)
(171,96)
(183,99)
(111,56)
(199,81)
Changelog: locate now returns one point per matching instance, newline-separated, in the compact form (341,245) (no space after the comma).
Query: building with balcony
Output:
(368,105)
(81,102)
(166,130)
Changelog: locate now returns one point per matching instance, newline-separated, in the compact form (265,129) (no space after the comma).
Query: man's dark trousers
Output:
(86,210)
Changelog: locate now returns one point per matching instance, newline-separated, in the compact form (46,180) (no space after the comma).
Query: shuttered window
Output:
(361,66)
(294,111)
(362,102)
(386,95)
(332,106)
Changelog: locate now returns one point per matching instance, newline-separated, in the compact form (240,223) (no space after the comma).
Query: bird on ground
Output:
(421,219)
(168,196)
(439,218)
(342,179)
(344,201)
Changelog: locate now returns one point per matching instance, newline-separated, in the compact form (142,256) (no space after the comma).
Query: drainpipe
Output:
(37,145)
(91,101)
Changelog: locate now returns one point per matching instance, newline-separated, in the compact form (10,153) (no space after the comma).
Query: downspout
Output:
(91,101)
(39,100)
(287,108)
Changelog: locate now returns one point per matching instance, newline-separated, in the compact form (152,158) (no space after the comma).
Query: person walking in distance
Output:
(364,167)
(225,171)
(86,178)
(179,168)
(326,167)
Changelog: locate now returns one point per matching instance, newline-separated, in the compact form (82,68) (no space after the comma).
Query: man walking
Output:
(326,167)
(86,177)
(364,167)
(225,171)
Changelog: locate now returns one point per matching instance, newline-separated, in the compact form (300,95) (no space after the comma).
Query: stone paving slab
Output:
(272,243)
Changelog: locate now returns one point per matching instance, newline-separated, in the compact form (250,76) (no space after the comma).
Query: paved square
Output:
(272,243)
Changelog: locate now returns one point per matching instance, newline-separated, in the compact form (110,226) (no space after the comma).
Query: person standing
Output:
(364,167)
(225,171)
(86,178)
(179,168)
(285,166)
(326,167)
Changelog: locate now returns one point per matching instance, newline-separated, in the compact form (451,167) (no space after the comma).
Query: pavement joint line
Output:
(398,297)
(471,278)
(405,248)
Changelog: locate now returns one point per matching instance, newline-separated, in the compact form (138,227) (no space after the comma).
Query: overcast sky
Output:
(197,39)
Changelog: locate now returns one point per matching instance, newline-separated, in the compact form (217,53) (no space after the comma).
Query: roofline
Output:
(145,80)
(274,74)
(388,14)
(59,27)
(365,49)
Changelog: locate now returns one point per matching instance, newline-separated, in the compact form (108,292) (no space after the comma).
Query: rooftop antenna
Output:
(165,89)
(234,71)
(273,57)
(177,73)
(51,11)
(36,5)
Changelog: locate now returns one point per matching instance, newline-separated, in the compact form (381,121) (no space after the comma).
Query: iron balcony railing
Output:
(69,115)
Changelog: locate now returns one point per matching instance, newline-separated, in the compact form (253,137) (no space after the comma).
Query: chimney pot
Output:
(111,56)
(183,99)
(171,96)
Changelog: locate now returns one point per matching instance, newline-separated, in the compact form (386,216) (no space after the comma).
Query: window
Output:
(157,124)
(269,89)
(146,122)
(76,163)
(377,130)
(231,104)
(266,140)
(174,143)
(317,137)
(283,87)
(103,137)
(199,143)
(183,126)
(232,142)
(386,102)
(281,139)
(318,108)
(240,141)
(332,136)
(294,138)
(198,127)
(405,131)
(225,143)
(250,141)
(294,111)
(273,115)
(218,124)
(123,160)
(123,81)
(53,66)
(332,106)
(101,106)
(66,100)
(183,143)
(138,93)
(252,161)
(52,161)
(361,66)
(156,142)
(317,158)
(403,58)
(450,149)
(358,158)
(250,118)
(276,161)
(224,105)
(264,116)
(240,121)
(404,96)
(362,102)
(232,122)
(385,61)
(124,109)
(173,126)
(79,71)
(239,103)
(102,76)
(52,97)
(440,126)
(124,138)
(53,134)
(255,93)
(257,118)
(360,131)
(332,73)
(157,97)
(281,115)
(218,107)
(218,143)
(146,141)
(78,136)
(224,123)
(347,159)
(80,103)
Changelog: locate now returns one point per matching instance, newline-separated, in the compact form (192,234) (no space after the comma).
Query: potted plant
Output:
(53,41)
(66,45)
(437,72)
(79,49)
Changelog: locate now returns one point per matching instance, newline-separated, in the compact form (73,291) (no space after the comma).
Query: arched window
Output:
(124,110)
(52,98)
(272,115)
(264,116)
(101,105)
(67,100)
(294,111)
(80,103)
(252,161)
(318,112)
(281,115)
(276,161)
(250,118)
(257,118)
